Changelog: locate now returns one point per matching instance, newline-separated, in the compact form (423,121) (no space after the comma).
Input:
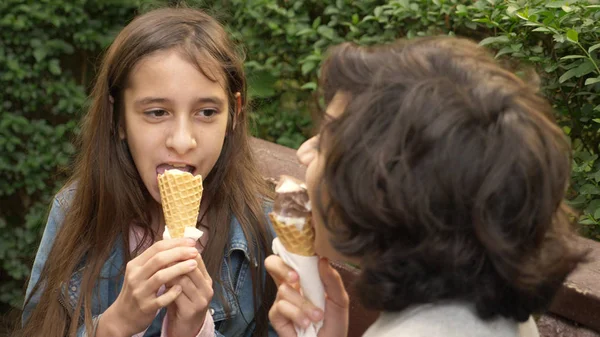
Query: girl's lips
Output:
(160,169)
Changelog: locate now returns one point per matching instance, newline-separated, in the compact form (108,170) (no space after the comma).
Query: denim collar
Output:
(237,239)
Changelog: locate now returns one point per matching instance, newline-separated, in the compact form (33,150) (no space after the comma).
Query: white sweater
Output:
(446,320)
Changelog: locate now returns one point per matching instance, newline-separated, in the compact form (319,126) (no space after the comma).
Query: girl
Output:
(442,175)
(170,93)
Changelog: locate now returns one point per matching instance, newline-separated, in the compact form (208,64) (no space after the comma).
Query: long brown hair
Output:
(109,192)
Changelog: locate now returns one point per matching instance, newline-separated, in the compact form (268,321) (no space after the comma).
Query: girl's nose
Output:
(181,139)
(307,151)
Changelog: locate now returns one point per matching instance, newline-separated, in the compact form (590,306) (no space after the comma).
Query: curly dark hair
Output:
(445,175)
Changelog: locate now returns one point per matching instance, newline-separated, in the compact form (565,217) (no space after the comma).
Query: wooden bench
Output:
(575,312)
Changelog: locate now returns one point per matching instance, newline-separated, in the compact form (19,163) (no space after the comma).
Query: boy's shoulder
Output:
(442,319)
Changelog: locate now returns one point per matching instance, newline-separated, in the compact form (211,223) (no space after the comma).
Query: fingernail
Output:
(316,314)
(306,323)
(191,251)
(190,242)
(192,264)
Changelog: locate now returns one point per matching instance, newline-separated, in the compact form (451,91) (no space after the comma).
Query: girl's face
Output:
(312,153)
(175,117)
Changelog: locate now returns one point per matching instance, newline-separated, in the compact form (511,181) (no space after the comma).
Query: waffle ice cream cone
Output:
(291,217)
(180,194)
(296,241)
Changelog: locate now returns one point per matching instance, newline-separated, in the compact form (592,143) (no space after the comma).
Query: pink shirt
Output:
(208,328)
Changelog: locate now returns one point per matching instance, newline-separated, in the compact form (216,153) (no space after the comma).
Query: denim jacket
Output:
(235,274)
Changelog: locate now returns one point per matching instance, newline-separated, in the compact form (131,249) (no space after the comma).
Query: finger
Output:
(202,267)
(168,297)
(332,282)
(193,300)
(167,275)
(337,302)
(184,301)
(282,325)
(279,271)
(307,151)
(167,258)
(283,312)
(162,246)
(199,280)
(294,297)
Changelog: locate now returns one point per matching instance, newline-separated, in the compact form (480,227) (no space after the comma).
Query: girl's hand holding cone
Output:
(137,304)
(186,314)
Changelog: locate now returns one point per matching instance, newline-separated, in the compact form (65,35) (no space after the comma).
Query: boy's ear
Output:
(238,108)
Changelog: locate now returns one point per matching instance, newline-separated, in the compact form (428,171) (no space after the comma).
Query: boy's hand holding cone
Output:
(291,219)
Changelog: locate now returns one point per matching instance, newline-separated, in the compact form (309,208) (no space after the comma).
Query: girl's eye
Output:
(208,113)
(156,113)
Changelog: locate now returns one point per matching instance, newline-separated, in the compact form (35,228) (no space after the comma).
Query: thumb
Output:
(333,284)
(337,303)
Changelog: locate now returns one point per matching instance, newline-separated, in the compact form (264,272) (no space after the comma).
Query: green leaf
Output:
(543,29)
(584,68)
(307,67)
(378,11)
(309,85)
(570,57)
(304,31)
(590,81)
(572,36)
(504,51)
(589,189)
(556,4)
(54,67)
(593,206)
(316,23)
(326,32)
(39,54)
(578,201)
(594,47)
(587,222)
(494,39)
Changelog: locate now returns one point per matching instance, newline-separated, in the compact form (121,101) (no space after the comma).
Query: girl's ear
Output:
(238,108)
(111,104)
(121,133)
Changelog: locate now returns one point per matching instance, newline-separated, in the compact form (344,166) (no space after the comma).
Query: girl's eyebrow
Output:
(163,100)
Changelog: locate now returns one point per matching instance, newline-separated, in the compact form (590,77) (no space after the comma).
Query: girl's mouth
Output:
(160,169)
